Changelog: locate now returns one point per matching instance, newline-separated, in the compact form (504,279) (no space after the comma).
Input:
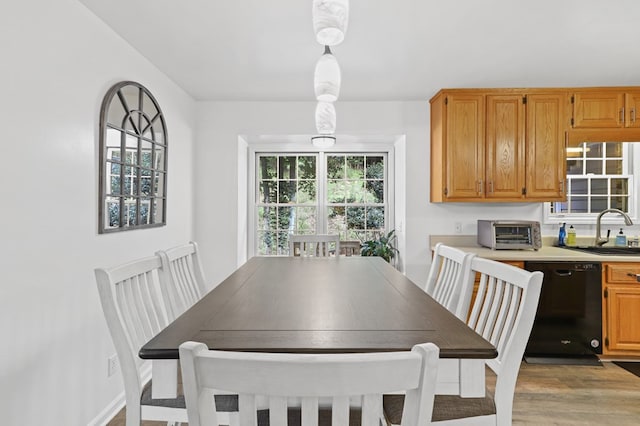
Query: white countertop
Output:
(547,253)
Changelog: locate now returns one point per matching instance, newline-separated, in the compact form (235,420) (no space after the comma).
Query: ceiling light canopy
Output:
(330,20)
(327,78)
(323,141)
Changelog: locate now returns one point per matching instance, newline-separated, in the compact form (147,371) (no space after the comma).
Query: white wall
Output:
(220,123)
(58,61)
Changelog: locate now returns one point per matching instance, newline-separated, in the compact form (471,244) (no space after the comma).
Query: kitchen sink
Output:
(608,250)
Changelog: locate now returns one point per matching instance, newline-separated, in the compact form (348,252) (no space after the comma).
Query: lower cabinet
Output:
(621,308)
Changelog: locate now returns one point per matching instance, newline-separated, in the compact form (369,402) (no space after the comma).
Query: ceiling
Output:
(265,50)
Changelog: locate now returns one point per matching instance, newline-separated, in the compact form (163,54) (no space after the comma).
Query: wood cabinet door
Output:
(623,317)
(545,138)
(593,109)
(505,146)
(632,109)
(464,146)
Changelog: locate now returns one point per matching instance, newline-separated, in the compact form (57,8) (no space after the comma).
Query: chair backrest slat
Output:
(315,245)
(450,281)
(182,278)
(335,378)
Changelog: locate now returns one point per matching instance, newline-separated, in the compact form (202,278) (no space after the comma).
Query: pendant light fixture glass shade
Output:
(327,78)
(325,118)
(330,20)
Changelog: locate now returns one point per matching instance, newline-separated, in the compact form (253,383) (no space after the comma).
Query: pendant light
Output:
(325,118)
(326,79)
(330,20)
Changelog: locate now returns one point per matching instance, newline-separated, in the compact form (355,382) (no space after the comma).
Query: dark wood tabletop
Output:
(318,305)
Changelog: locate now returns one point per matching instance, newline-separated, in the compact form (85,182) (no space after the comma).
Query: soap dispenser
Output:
(571,236)
(621,239)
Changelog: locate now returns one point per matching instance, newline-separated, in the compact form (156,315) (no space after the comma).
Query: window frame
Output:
(363,148)
(630,158)
(149,133)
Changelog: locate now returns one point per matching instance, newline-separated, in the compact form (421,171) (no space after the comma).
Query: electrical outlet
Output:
(112,365)
(458,228)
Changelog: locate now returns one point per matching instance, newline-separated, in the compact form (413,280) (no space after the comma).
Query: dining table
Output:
(322,305)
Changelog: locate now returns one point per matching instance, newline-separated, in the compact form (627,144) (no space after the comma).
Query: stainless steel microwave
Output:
(509,234)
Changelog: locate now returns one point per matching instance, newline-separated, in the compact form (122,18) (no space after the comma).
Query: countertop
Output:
(547,253)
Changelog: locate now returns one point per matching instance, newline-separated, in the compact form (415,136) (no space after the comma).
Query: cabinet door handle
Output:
(479,187)
(637,276)
(562,186)
(622,115)
(633,115)
(491,186)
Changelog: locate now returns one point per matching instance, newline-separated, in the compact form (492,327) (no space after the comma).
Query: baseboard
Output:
(109,411)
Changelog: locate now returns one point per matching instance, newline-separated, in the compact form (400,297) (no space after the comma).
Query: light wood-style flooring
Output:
(562,395)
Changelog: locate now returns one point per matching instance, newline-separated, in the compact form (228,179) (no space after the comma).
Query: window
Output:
(133,160)
(599,177)
(318,193)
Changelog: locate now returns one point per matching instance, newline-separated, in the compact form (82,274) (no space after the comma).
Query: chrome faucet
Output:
(601,241)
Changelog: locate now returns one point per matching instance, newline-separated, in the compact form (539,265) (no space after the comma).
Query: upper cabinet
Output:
(605,108)
(499,145)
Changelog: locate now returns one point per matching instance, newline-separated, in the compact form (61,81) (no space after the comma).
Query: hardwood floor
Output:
(562,395)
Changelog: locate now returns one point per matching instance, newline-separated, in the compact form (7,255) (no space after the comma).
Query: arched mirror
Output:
(133,160)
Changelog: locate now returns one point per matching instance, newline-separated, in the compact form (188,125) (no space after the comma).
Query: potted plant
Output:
(382,246)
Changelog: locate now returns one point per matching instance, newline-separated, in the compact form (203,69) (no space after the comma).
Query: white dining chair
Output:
(503,313)
(450,281)
(309,381)
(182,278)
(135,313)
(316,245)
(133,308)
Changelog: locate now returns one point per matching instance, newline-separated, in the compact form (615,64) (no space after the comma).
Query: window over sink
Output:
(600,175)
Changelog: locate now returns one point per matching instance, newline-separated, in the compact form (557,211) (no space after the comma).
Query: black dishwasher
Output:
(568,321)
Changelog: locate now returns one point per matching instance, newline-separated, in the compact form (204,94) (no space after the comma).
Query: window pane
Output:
(306,167)
(306,220)
(355,217)
(336,191)
(337,220)
(619,186)
(268,192)
(267,218)
(286,191)
(335,167)
(355,167)
(375,167)
(599,186)
(593,166)
(287,168)
(112,212)
(355,191)
(130,211)
(614,167)
(594,150)
(159,184)
(375,192)
(159,158)
(579,186)
(307,192)
(579,204)
(267,243)
(158,210)
(113,185)
(283,243)
(145,186)
(375,218)
(286,218)
(145,207)
(621,203)
(614,149)
(267,168)
(599,204)
(574,167)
